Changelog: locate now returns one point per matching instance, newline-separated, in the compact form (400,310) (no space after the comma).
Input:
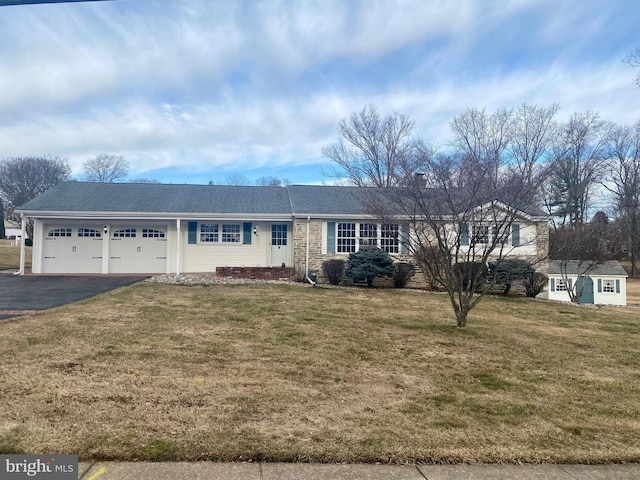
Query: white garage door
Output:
(68,249)
(133,249)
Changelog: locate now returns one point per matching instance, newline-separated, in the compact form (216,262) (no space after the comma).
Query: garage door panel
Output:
(70,250)
(138,250)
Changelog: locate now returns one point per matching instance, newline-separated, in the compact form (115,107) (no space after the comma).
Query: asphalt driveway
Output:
(20,293)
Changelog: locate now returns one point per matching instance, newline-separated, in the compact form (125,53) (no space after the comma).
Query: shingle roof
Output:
(572,267)
(211,199)
(158,198)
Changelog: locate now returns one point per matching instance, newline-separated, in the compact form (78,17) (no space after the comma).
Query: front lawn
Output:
(10,255)
(291,373)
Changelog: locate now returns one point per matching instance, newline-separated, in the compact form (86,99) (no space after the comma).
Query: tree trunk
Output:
(461,318)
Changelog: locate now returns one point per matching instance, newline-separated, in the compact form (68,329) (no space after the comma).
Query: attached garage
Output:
(72,249)
(135,249)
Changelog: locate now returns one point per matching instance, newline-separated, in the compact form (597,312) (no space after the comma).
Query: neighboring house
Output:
(156,228)
(597,283)
(12,229)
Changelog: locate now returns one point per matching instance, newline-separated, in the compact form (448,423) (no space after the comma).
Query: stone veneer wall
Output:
(418,281)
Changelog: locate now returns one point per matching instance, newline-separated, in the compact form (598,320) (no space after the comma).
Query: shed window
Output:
(560,285)
(608,286)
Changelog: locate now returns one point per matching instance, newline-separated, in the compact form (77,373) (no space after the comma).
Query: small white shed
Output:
(600,283)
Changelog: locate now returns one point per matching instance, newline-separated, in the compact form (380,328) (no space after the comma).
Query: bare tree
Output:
(456,231)
(267,181)
(372,151)
(534,135)
(461,206)
(106,168)
(581,150)
(633,60)
(237,179)
(24,178)
(481,139)
(623,181)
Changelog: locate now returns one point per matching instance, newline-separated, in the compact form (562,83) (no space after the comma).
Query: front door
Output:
(586,285)
(279,244)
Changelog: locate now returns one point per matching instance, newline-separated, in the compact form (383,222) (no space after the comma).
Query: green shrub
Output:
(333,270)
(402,273)
(369,263)
(507,271)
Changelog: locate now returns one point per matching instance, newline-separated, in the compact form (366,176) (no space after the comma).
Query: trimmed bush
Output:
(333,270)
(402,273)
(507,271)
(369,263)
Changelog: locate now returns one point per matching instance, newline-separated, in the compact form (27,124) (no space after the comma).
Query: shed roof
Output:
(578,267)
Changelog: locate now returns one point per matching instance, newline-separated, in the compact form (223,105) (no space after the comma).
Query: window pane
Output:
(368,234)
(231,233)
(346,237)
(208,232)
(278,234)
(389,238)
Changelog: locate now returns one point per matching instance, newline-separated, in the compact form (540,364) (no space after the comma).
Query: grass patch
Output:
(286,373)
(10,256)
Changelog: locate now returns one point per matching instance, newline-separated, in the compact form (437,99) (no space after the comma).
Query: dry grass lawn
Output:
(288,373)
(10,255)
(633,291)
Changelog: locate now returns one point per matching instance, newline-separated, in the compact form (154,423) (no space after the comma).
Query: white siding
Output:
(599,298)
(205,257)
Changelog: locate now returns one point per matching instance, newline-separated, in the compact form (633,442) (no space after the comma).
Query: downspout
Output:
(307,259)
(22,247)
(179,241)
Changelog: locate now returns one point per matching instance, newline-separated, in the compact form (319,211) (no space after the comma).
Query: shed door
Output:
(67,249)
(134,249)
(586,284)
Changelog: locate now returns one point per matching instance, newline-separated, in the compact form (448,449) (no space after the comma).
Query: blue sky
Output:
(197,90)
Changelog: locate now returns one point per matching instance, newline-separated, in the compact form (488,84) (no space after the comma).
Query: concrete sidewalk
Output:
(314,471)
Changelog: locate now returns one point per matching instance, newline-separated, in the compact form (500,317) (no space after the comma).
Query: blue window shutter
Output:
(331,237)
(553,285)
(515,235)
(464,234)
(404,239)
(617,286)
(570,284)
(193,232)
(246,230)
(599,285)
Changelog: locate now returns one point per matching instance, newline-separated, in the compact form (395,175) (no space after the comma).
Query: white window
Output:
(59,232)
(125,233)
(346,237)
(230,233)
(219,233)
(89,232)
(369,234)
(390,238)
(351,236)
(608,286)
(480,233)
(560,285)
(151,233)
(208,232)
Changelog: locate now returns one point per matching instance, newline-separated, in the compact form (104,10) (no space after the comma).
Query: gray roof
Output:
(572,267)
(80,197)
